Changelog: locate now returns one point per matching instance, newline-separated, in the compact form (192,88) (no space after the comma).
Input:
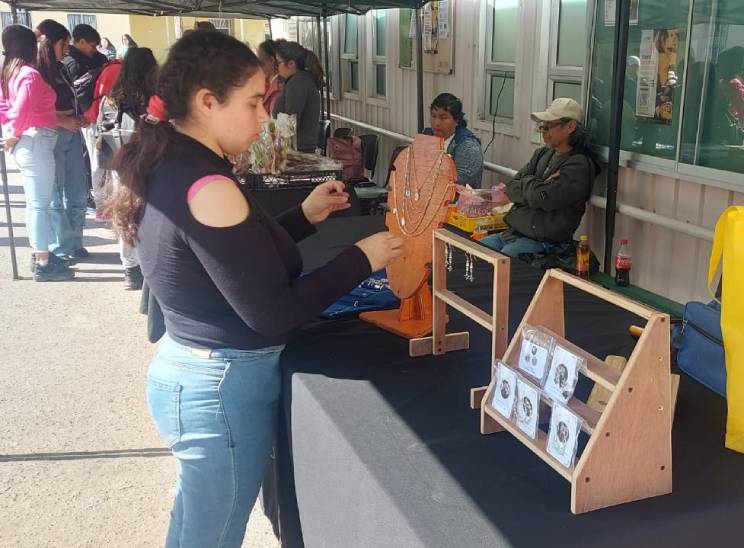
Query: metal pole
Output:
(13,13)
(324,86)
(8,215)
(419,71)
(327,64)
(271,32)
(622,18)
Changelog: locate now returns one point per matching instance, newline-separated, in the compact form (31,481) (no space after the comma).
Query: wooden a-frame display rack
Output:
(629,453)
(442,342)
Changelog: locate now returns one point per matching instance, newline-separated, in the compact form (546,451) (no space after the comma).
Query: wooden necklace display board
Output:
(629,453)
(422,185)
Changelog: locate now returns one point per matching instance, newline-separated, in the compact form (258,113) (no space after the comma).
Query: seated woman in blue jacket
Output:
(551,191)
(448,122)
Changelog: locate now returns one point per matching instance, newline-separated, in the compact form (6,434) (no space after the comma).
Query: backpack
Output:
(347,151)
(85,85)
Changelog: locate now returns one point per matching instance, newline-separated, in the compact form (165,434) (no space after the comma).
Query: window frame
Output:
(347,59)
(563,74)
(92,20)
(487,68)
(376,60)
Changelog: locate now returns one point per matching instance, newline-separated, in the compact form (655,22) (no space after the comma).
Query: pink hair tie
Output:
(156,111)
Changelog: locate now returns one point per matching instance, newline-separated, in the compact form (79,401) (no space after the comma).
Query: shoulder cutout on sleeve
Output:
(216,201)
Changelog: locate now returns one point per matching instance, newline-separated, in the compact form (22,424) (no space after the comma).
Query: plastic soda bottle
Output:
(623,263)
(582,257)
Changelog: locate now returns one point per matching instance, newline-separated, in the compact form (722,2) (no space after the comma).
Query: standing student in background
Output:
(274,84)
(107,48)
(227,276)
(71,193)
(127,42)
(122,108)
(303,78)
(30,128)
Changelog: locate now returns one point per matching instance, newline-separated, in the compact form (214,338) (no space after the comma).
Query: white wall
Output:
(666,262)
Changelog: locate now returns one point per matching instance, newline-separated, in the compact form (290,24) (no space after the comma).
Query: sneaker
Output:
(81,253)
(52,272)
(133,278)
(63,260)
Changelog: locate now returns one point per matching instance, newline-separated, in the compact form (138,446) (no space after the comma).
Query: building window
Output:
(307,34)
(75,19)
(24,18)
(501,59)
(568,49)
(350,53)
(379,48)
(223,25)
(683,106)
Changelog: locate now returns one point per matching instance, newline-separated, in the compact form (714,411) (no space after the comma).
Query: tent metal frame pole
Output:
(8,212)
(271,32)
(324,86)
(622,20)
(419,71)
(13,13)
(326,55)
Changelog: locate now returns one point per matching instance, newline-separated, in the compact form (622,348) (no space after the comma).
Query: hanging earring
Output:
(472,268)
(448,257)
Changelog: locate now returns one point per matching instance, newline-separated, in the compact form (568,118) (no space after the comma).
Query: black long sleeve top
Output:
(236,287)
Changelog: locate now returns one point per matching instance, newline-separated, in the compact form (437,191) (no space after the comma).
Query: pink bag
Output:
(347,151)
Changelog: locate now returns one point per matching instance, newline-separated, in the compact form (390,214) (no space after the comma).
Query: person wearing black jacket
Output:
(551,191)
(83,57)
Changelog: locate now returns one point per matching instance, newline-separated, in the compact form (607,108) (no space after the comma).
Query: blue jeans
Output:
(217,412)
(71,192)
(513,246)
(34,155)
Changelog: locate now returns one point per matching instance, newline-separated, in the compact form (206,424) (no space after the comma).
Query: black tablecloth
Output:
(380,450)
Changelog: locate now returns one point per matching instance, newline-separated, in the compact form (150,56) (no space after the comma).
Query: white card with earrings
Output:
(563,435)
(563,374)
(506,390)
(535,352)
(528,407)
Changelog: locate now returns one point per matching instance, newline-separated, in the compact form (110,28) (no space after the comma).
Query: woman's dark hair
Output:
(130,40)
(20,47)
(50,32)
(450,103)
(269,47)
(136,82)
(203,59)
(303,58)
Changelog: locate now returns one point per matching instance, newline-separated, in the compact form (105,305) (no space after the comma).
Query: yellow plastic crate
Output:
(469,224)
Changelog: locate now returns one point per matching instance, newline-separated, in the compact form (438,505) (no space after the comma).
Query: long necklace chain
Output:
(407,225)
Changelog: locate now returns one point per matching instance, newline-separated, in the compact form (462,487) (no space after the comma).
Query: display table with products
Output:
(378,449)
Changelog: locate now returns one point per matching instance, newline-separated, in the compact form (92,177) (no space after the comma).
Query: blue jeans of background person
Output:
(34,155)
(217,412)
(513,246)
(71,192)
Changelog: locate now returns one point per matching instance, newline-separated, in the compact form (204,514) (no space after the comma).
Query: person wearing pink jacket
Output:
(30,122)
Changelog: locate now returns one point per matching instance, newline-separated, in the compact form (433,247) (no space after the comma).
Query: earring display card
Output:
(563,435)
(534,355)
(563,374)
(506,388)
(528,407)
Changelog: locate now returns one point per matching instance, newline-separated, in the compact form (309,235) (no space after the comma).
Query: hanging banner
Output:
(657,76)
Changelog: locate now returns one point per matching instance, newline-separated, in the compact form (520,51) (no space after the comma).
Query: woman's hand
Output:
(325,199)
(9,143)
(381,248)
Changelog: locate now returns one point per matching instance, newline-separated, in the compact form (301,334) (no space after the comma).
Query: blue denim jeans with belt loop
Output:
(71,192)
(34,155)
(217,411)
(513,247)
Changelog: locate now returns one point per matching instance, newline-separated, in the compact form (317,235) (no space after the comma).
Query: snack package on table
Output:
(269,153)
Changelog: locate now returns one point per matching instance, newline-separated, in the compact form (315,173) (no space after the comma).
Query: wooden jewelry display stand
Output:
(629,453)
(442,342)
(422,184)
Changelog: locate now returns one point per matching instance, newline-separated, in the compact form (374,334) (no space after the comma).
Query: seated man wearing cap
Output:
(551,191)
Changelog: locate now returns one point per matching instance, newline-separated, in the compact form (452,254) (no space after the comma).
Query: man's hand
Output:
(554,176)
(325,199)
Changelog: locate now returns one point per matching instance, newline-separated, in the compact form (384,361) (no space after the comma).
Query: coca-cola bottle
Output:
(623,263)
